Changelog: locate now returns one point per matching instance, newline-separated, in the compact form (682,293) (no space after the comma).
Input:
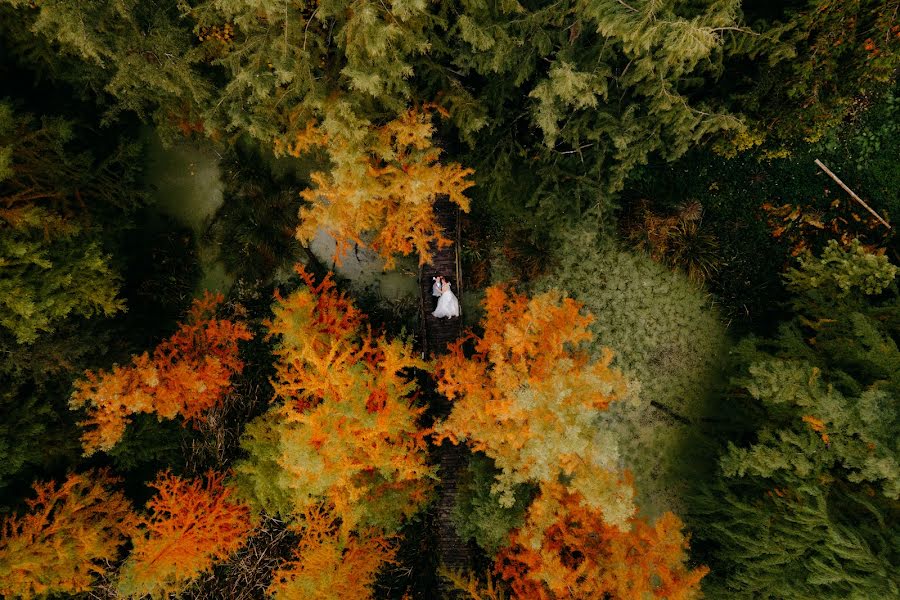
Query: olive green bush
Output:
(478,513)
(667,338)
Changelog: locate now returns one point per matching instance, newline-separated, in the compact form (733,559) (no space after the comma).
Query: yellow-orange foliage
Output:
(188,373)
(318,329)
(528,398)
(818,425)
(567,550)
(388,188)
(193,525)
(348,431)
(328,564)
(55,546)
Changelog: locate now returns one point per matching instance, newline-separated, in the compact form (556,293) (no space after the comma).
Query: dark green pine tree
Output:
(806,502)
(478,516)
(51,269)
(812,63)
(130,55)
(574,94)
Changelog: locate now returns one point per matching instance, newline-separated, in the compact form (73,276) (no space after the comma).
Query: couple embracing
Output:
(448,304)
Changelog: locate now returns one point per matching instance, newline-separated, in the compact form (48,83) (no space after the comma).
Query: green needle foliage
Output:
(44,282)
(288,62)
(137,54)
(556,102)
(839,275)
(478,513)
(578,93)
(50,268)
(801,511)
(816,62)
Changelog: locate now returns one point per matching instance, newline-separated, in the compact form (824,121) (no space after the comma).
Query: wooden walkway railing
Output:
(436,334)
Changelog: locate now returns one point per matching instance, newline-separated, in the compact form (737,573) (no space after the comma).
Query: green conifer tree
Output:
(50,268)
(804,509)
(577,93)
(287,63)
(139,55)
(815,62)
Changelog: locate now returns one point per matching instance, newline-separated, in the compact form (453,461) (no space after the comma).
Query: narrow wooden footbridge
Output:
(437,333)
(434,337)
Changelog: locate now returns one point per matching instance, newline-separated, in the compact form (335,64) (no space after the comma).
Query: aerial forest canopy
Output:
(589,299)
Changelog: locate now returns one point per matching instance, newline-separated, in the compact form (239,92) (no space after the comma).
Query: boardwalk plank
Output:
(436,335)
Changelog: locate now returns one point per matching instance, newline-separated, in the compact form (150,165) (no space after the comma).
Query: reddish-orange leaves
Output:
(387,188)
(187,374)
(805,227)
(330,564)
(348,433)
(567,550)
(55,547)
(318,328)
(528,398)
(818,425)
(193,524)
(534,333)
(524,340)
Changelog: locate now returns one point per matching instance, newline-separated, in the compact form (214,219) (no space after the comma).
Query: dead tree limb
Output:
(852,194)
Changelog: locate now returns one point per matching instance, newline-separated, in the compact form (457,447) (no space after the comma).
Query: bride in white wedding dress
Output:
(448,304)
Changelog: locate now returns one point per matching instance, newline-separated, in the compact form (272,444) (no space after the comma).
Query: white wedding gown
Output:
(448,304)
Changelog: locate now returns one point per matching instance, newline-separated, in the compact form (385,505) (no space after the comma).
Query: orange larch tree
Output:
(386,186)
(329,564)
(55,547)
(193,524)
(342,455)
(347,432)
(528,398)
(186,375)
(318,329)
(567,550)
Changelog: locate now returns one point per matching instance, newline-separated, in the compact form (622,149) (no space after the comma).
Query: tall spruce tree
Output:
(131,55)
(804,503)
(50,268)
(576,93)
(813,63)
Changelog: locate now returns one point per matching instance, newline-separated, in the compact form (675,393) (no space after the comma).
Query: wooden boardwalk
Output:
(436,334)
